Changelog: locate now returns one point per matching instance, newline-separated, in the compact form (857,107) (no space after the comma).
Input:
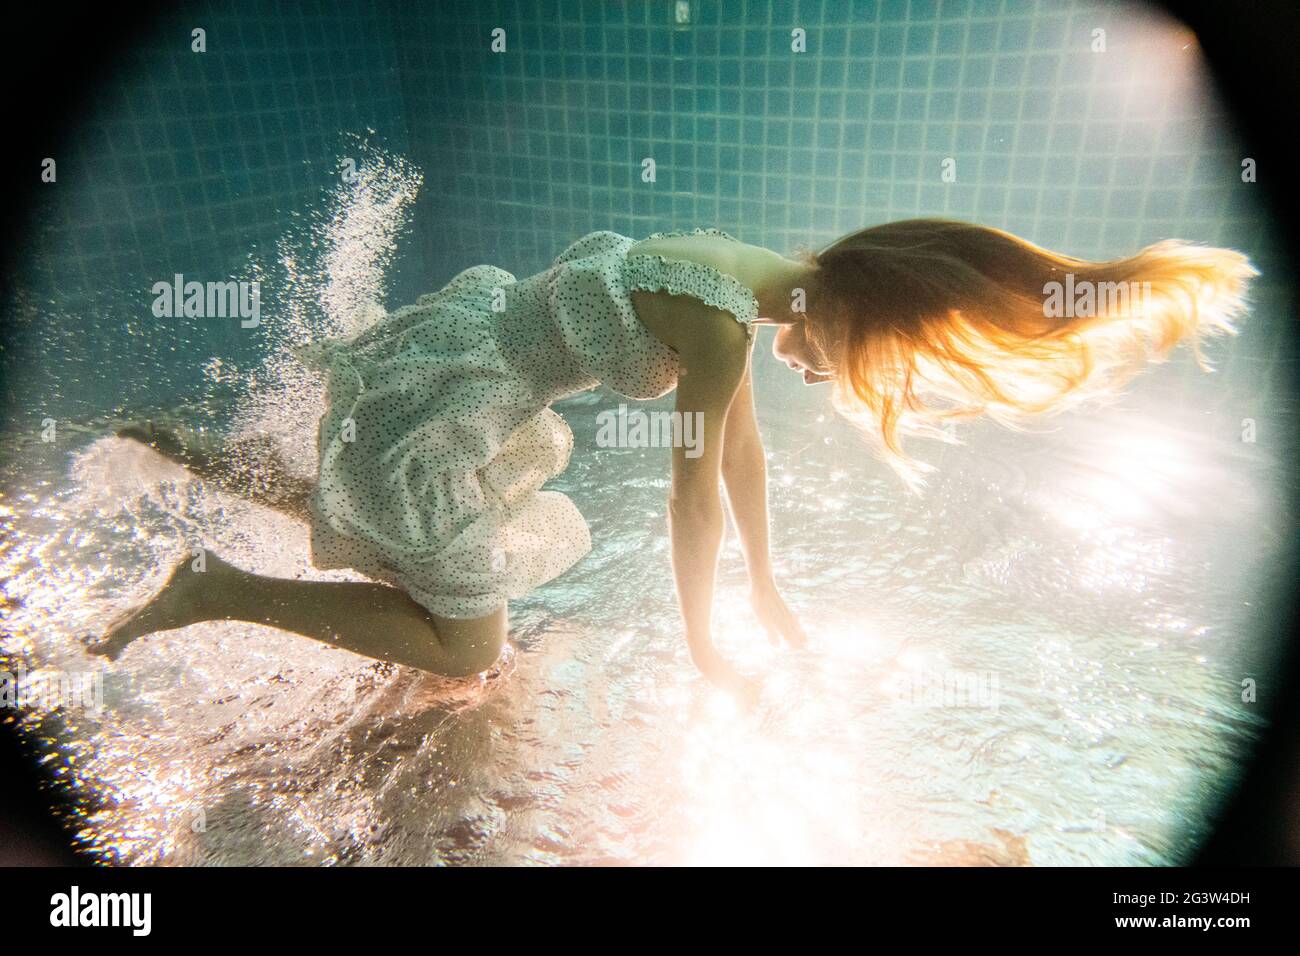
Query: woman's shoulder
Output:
(688,325)
(671,263)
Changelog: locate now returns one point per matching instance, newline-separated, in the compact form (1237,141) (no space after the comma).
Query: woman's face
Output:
(791,346)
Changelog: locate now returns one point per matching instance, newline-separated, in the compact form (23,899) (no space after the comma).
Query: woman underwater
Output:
(438,431)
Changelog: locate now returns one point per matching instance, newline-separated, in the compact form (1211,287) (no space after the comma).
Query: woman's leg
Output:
(370,619)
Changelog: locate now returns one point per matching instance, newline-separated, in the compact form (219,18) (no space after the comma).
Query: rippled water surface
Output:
(1085,592)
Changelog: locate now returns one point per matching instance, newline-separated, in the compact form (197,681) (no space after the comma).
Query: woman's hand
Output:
(775,616)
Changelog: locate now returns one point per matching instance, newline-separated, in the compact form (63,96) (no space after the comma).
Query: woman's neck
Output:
(773,278)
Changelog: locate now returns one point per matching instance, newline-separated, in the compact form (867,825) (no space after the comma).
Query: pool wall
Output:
(1004,112)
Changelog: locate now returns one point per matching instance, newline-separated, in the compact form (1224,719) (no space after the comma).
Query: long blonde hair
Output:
(924,321)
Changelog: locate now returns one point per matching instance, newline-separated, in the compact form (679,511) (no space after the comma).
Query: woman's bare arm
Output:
(713,352)
(744,473)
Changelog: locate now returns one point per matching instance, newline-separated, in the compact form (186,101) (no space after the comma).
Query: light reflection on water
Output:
(1115,648)
(1094,579)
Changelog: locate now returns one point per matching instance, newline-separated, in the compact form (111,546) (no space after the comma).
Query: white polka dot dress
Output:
(439,434)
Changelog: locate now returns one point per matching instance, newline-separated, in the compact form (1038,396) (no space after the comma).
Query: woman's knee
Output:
(471,645)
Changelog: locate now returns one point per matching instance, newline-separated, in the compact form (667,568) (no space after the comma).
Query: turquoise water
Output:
(1039,661)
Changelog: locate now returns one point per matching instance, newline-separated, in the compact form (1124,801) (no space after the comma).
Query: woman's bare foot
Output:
(175,605)
(163,440)
(248,466)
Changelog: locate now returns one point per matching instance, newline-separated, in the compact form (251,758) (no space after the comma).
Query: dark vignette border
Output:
(63,50)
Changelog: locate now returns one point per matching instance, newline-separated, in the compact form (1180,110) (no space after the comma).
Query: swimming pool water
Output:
(1038,661)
